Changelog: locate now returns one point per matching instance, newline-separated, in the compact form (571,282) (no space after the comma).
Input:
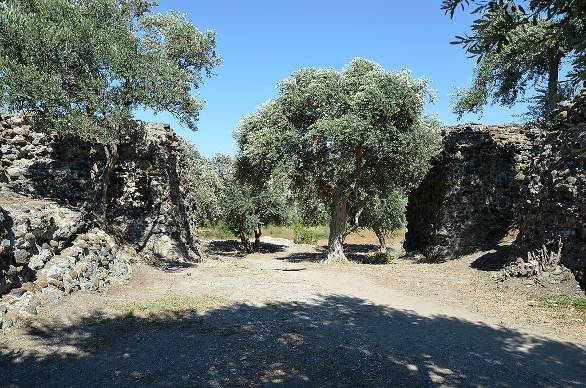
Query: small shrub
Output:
(507,271)
(379,258)
(304,235)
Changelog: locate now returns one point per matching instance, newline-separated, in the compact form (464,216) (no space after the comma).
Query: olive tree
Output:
(381,214)
(341,132)
(249,204)
(82,67)
(205,183)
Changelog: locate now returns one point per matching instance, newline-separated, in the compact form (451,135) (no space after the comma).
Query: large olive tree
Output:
(82,67)
(340,133)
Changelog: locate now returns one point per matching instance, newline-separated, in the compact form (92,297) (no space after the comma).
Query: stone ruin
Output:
(552,217)
(490,180)
(469,198)
(49,245)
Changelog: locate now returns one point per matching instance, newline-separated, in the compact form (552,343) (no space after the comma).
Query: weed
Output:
(148,260)
(219,231)
(565,300)
(506,270)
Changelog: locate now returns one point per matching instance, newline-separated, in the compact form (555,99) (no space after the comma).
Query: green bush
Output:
(219,231)
(379,258)
(304,235)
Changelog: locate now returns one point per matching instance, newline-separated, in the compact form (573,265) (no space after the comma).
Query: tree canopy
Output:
(84,67)
(360,130)
(520,46)
(249,204)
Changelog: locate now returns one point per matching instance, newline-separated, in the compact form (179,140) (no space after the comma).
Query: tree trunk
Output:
(111,152)
(553,79)
(246,243)
(257,234)
(381,240)
(338,228)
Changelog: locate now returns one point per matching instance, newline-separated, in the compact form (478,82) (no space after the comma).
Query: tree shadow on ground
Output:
(354,252)
(331,341)
(232,248)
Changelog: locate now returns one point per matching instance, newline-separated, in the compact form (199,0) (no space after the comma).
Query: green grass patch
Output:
(565,300)
(174,303)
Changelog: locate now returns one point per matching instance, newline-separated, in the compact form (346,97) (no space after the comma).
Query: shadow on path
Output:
(333,341)
(354,252)
(232,248)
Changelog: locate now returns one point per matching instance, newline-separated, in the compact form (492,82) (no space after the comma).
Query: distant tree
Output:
(520,46)
(82,67)
(249,204)
(339,133)
(382,215)
(205,183)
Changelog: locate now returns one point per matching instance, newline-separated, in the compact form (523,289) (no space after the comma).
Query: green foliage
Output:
(83,67)
(520,50)
(338,133)
(304,235)
(309,210)
(219,231)
(385,214)
(248,205)
(506,271)
(204,182)
(506,75)
(378,258)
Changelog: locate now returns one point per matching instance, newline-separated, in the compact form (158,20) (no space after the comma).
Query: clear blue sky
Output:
(262,42)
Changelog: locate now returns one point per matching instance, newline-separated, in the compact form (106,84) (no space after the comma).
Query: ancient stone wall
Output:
(47,251)
(49,245)
(469,198)
(147,206)
(489,179)
(554,192)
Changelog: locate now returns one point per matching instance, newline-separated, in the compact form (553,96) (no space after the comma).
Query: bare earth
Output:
(281,318)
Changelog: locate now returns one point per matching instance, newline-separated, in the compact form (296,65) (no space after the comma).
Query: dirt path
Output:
(279,319)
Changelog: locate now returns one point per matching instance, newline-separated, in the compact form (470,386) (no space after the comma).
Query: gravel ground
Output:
(281,318)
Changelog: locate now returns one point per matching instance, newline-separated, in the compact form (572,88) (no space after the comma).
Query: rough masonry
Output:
(49,245)
(469,198)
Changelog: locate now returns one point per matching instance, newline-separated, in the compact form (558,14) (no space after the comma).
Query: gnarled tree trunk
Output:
(381,240)
(257,234)
(246,243)
(338,228)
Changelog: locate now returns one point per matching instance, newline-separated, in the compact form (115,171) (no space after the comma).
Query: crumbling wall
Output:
(469,198)
(49,245)
(47,252)
(147,206)
(554,192)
